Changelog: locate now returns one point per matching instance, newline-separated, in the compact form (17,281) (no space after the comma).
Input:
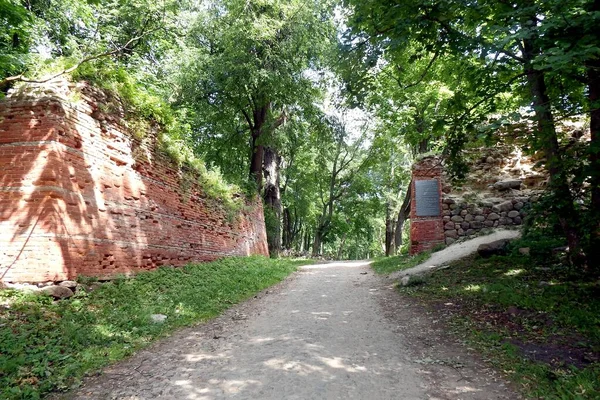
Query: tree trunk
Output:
(546,132)
(306,240)
(316,247)
(256,161)
(341,248)
(593,80)
(403,215)
(272,198)
(259,117)
(389,232)
(291,228)
(286,240)
(423,145)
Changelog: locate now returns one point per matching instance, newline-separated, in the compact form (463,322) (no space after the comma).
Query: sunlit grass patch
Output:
(48,346)
(387,265)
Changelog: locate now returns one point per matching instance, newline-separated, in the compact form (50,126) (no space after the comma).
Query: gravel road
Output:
(331,331)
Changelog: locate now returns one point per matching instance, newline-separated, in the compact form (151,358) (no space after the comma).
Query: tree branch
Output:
(21,77)
(248,119)
(424,74)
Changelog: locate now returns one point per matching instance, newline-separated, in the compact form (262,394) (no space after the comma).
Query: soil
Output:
(525,330)
(331,331)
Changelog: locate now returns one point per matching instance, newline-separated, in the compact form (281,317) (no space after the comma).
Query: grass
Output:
(49,346)
(387,265)
(539,325)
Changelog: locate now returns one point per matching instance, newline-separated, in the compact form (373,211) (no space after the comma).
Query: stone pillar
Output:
(426,221)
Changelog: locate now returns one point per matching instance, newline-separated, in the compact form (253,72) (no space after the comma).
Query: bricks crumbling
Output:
(80,196)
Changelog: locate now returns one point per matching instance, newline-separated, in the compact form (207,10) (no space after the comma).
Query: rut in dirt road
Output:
(321,334)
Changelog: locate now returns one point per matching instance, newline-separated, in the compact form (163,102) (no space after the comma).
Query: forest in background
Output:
(322,106)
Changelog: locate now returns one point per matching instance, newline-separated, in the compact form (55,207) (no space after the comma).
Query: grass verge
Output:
(49,346)
(387,265)
(537,324)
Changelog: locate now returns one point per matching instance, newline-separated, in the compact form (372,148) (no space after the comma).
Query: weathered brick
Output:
(76,199)
(426,232)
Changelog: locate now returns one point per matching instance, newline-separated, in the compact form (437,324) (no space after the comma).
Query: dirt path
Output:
(332,331)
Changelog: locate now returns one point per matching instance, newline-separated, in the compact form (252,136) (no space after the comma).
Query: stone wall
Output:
(80,196)
(498,190)
(464,219)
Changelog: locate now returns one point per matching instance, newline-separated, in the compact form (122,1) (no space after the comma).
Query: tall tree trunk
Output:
(341,248)
(306,240)
(272,198)
(316,246)
(593,80)
(423,145)
(389,231)
(403,215)
(291,228)
(546,132)
(286,239)
(256,160)
(259,118)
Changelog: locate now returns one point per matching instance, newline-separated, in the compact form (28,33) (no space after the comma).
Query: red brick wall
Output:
(426,232)
(79,196)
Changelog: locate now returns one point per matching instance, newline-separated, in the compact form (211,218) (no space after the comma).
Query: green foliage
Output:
(146,112)
(505,305)
(464,69)
(38,36)
(543,234)
(242,72)
(48,346)
(15,36)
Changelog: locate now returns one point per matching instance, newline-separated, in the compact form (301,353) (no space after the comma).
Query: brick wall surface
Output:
(80,196)
(426,232)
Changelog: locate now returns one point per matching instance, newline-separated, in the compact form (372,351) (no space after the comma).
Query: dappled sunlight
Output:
(464,389)
(337,264)
(514,272)
(65,196)
(301,368)
(262,340)
(473,288)
(338,363)
(322,316)
(204,357)
(216,387)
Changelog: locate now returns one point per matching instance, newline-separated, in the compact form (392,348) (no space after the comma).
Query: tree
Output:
(245,74)
(341,158)
(522,47)
(40,40)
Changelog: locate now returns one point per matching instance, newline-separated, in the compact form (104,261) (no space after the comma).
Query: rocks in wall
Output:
(497,192)
(463,218)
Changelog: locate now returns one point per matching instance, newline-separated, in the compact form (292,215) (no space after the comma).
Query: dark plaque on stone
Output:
(427,196)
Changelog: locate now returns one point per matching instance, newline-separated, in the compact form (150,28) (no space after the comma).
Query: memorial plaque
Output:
(427,196)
